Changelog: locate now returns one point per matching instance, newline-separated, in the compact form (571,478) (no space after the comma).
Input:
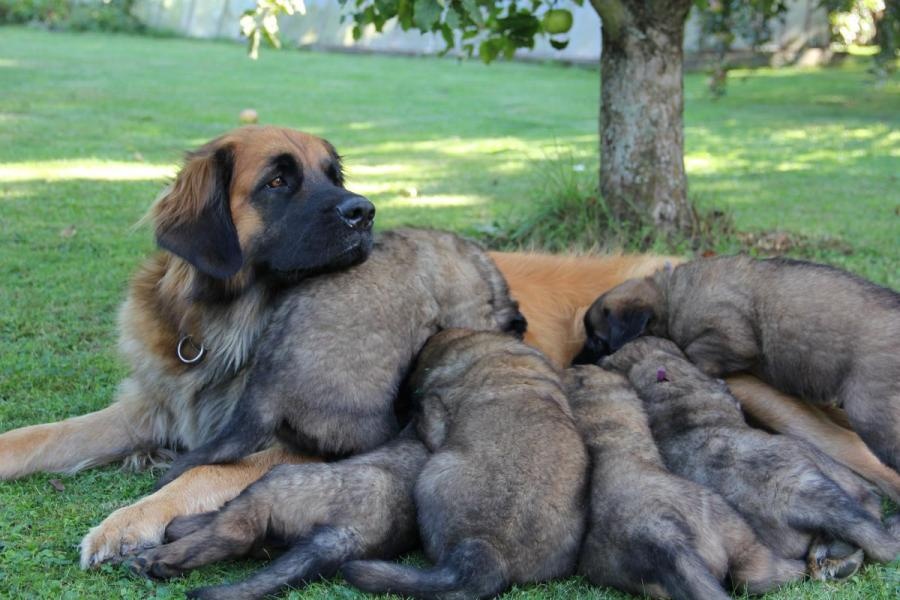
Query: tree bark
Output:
(642,175)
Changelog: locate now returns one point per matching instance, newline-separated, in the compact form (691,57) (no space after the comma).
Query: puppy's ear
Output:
(627,326)
(593,349)
(193,220)
(518,325)
(432,421)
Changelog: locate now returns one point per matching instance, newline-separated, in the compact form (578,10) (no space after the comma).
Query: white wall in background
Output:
(321,27)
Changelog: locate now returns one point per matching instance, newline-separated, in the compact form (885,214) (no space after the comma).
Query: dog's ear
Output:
(193,219)
(627,326)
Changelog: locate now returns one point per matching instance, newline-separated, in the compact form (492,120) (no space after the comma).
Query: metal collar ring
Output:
(201,350)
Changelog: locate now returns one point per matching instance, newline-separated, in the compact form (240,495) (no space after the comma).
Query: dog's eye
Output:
(277,183)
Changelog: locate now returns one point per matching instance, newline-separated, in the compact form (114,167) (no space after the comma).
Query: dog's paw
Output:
(124,532)
(833,559)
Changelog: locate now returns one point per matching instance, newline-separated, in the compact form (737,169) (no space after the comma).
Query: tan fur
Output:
(98,438)
(554,291)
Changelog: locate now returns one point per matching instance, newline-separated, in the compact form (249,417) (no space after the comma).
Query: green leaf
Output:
(559,44)
(488,50)
(405,14)
(447,34)
(426,14)
(452,19)
(474,12)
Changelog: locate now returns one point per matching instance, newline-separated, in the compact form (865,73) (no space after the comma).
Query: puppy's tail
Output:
(473,569)
(685,576)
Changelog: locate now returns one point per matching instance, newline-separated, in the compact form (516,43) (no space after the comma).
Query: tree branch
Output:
(613,15)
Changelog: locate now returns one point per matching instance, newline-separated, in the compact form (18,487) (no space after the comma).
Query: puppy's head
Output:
(263,201)
(619,316)
(640,350)
(439,352)
(450,353)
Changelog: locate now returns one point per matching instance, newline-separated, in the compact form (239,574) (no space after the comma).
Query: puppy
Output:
(326,514)
(788,491)
(339,346)
(500,501)
(650,532)
(808,330)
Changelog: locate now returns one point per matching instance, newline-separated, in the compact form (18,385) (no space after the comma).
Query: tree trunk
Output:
(886,32)
(642,99)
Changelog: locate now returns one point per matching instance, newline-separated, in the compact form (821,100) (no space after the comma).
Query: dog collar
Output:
(189,341)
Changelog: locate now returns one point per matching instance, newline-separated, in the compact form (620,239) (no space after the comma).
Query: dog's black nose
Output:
(357,212)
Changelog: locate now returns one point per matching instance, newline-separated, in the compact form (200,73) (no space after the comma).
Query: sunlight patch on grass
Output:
(375,170)
(791,165)
(441,200)
(701,163)
(13,193)
(360,126)
(94,170)
(368,188)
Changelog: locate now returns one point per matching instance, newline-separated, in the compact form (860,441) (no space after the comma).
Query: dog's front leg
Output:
(68,446)
(142,524)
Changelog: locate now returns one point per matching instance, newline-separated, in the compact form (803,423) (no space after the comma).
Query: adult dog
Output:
(230,239)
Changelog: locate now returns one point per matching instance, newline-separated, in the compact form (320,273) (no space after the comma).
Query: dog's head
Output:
(619,316)
(263,201)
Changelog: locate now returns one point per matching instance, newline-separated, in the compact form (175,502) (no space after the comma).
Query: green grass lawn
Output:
(91,127)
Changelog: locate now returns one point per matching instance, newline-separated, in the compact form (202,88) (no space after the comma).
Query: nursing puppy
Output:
(788,491)
(338,347)
(500,501)
(325,514)
(651,532)
(809,330)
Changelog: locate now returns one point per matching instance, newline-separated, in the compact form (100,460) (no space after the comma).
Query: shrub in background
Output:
(73,15)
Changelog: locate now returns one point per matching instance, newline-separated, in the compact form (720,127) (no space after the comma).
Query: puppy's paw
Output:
(893,525)
(126,531)
(213,592)
(152,564)
(833,559)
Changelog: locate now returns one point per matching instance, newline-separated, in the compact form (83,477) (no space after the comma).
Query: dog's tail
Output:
(684,574)
(473,569)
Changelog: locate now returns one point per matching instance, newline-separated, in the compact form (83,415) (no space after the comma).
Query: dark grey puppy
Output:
(787,490)
(324,513)
(339,345)
(501,500)
(651,532)
(810,330)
